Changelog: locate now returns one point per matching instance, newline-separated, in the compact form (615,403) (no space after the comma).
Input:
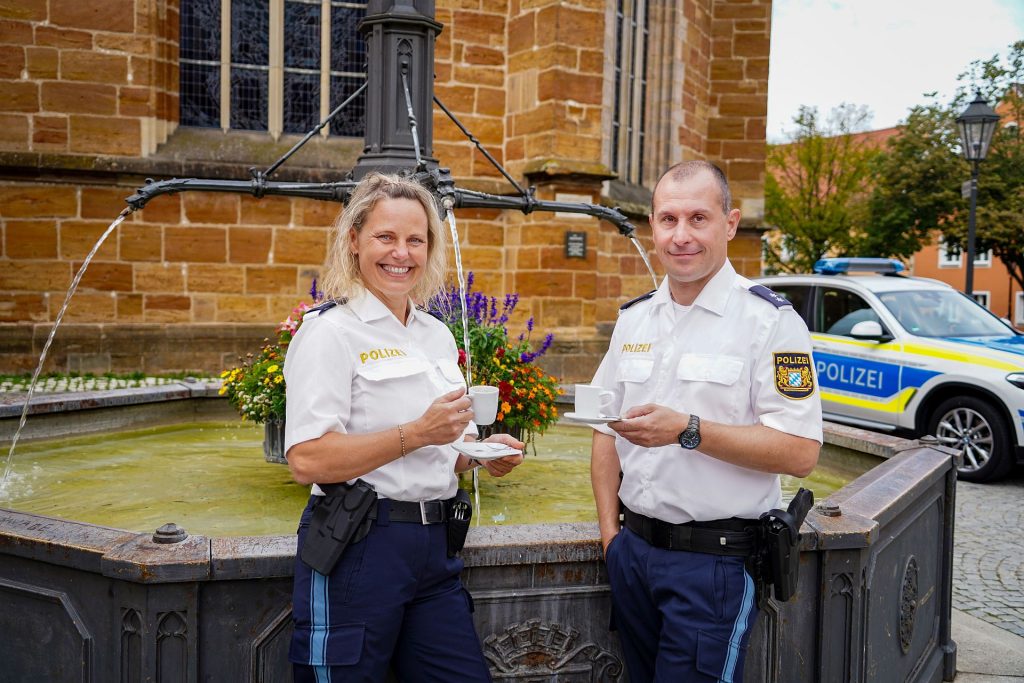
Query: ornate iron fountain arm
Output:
(469,199)
(259,186)
(337,110)
(473,139)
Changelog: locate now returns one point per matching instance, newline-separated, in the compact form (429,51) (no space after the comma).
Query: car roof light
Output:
(839,266)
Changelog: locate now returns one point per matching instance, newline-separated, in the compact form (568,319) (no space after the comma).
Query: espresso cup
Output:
(485,403)
(590,399)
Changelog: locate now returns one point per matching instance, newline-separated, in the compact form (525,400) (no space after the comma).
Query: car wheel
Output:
(976,429)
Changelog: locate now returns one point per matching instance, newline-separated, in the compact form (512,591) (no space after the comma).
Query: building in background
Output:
(585,99)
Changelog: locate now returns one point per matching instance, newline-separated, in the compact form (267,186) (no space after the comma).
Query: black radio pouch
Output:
(781,536)
(340,517)
(460,512)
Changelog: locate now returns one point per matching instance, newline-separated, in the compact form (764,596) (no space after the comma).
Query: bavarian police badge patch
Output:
(793,375)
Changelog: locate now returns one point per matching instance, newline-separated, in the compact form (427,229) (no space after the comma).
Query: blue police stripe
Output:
(739,628)
(320,617)
(1021,414)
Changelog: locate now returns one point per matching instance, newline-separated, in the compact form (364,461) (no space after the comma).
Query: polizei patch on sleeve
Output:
(793,375)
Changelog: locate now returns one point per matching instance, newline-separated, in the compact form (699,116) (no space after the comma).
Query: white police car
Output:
(914,356)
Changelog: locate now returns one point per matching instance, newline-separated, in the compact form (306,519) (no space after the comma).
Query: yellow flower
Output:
(272,368)
(505,407)
(278,379)
(225,373)
(223,390)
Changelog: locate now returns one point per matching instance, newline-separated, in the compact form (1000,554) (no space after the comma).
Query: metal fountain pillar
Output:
(400,38)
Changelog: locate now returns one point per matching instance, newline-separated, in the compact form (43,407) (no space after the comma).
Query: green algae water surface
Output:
(211,479)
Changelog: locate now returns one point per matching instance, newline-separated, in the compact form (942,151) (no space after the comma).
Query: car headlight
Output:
(1016,379)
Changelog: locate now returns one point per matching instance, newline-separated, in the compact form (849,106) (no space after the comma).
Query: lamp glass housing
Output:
(977,124)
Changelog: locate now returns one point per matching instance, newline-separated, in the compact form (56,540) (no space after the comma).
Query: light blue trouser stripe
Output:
(318,607)
(739,628)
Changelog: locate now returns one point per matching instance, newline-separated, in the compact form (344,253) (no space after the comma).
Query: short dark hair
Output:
(688,169)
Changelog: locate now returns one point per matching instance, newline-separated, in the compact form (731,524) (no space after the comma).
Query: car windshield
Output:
(937,313)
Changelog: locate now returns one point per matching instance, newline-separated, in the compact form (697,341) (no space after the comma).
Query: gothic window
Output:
(630,90)
(274,65)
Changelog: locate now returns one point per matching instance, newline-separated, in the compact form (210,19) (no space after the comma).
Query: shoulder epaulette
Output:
(642,297)
(321,308)
(774,298)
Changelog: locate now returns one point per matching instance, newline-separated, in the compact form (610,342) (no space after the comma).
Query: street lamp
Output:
(976,124)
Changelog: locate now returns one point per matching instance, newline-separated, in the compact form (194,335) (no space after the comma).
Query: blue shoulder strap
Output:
(642,297)
(775,299)
(325,306)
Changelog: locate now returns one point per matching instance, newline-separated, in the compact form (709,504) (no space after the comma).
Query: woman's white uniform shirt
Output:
(718,359)
(355,368)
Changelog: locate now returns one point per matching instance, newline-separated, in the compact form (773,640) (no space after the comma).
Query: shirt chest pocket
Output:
(710,385)
(634,369)
(714,369)
(393,371)
(450,375)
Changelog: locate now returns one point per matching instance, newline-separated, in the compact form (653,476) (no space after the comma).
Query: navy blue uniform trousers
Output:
(394,599)
(681,616)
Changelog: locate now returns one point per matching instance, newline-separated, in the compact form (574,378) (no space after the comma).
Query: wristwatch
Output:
(689,438)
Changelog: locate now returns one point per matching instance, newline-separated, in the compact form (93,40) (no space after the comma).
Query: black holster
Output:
(460,512)
(778,561)
(340,517)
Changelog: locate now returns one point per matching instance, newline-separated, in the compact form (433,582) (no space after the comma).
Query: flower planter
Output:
(273,441)
(499,428)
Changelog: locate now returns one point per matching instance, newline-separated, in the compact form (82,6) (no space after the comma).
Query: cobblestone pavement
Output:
(988,554)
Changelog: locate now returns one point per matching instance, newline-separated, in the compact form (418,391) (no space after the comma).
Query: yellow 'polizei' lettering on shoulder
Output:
(636,348)
(380,354)
(895,404)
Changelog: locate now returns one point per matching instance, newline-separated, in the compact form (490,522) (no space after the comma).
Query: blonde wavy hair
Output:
(342,277)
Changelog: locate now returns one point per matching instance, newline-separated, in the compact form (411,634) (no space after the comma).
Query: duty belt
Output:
(734,537)
(423,512)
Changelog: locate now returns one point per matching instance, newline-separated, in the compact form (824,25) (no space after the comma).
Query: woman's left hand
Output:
(502,466)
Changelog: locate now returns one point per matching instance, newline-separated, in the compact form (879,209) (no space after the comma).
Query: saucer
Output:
(592,419)
(485,450)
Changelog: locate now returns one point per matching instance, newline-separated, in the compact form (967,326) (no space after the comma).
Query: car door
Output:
(859,379)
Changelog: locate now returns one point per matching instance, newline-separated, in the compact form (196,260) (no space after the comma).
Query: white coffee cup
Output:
(590,399)
(485,403)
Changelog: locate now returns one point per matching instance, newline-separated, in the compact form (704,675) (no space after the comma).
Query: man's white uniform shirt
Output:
(719,359)
(355,368)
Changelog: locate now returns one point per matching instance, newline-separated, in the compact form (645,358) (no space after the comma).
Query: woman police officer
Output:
(375,393)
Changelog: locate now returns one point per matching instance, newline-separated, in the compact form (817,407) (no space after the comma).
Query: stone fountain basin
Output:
(85,602)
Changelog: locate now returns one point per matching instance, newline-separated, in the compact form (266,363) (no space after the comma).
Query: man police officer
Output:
(713,380)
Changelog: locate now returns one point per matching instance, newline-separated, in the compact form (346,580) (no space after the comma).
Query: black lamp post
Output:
(976,124)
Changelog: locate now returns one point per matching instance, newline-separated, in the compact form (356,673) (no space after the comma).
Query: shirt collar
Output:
(367,307)
(712,298)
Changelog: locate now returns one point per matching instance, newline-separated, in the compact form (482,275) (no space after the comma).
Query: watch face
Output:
(690,438)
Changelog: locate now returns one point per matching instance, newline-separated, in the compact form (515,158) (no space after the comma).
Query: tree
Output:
(816,189)
(920,175)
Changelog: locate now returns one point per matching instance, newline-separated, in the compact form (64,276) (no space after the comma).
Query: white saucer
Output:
(592,419)
(485,450)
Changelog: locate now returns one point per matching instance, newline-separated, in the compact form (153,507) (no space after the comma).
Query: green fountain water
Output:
(211,479)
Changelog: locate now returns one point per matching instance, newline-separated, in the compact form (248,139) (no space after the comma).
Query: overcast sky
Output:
(881,53)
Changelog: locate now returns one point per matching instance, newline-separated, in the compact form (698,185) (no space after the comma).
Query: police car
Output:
(913,356)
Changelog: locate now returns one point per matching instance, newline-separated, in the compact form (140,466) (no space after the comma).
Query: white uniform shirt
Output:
(728,358)
(356,369)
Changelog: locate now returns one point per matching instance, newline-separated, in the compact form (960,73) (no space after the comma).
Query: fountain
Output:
(79,601)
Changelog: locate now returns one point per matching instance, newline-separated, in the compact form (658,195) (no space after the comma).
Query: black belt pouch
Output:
(460,512)
(340,517)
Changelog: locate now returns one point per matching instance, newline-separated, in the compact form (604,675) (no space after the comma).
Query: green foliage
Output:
(816,189)
(526,394)
(256,388)
(918,181)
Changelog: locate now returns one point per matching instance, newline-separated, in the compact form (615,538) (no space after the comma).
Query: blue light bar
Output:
(840,266)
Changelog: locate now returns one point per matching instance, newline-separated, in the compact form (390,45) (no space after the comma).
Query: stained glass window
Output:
(255,100)
(200,63)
